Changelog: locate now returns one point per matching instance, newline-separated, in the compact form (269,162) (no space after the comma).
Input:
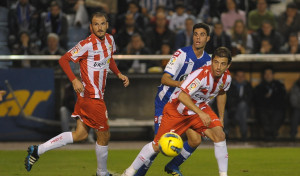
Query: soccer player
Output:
(94,55)
(184,61)
(189,108)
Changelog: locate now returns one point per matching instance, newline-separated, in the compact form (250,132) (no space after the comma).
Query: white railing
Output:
(238,58)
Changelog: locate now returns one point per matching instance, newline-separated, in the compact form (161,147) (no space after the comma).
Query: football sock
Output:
(101,154)
(56,142)
(221,155)
(143,158)
(184,154)
(143,170)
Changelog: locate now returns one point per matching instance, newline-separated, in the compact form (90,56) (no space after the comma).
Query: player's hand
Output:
(124,79)
(205,118)
(77,85)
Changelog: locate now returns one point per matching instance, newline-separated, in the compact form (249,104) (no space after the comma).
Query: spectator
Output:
(134,9)
(124,34)
(165,50)
(185,37)
(260,14)
(53,47)
(266,47)
(76,13)
(269,98)
(209,13)
(24,46)
(218,38)
(295,103)
(177,20)
(267,32)
(232,14)
(289,21)
(136,46)
(159,34)
(239,104)
(293,46)
(54,21)
(242,42)
(148,7)
(22,17)
(159,9)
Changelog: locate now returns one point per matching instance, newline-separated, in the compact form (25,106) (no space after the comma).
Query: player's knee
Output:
(79,137)
(194,142)
(103,137)
(220,136)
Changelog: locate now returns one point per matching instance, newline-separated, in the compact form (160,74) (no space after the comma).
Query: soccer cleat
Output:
(173,171)
(108,174)
(32,157)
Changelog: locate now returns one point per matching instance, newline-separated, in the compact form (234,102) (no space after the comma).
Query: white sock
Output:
(221,155)
(56,142)
(101,153)
(143,158)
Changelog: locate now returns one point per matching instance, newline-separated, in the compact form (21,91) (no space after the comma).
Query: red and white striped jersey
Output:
(202,87)
(94,57)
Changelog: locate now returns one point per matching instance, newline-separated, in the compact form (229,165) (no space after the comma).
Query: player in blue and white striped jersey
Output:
(184,61)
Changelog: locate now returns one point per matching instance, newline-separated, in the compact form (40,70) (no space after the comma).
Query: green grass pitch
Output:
(242,162)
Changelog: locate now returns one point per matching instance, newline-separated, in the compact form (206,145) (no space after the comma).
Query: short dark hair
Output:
(292,5)
(202,25)
(222,52)
(98,14)
(268,67)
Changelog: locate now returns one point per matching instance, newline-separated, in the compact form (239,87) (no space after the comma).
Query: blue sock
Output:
(143,170)
(184,154)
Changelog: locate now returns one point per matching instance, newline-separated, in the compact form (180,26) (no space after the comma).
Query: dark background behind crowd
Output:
(47,27)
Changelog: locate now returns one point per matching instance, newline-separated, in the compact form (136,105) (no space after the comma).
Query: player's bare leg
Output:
(194,140)
(60,140)
(102,152)
(218,136)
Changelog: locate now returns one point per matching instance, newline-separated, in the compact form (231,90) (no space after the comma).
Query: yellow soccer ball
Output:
(170,144)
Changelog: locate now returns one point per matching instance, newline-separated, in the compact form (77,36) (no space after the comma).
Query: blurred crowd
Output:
(51,27)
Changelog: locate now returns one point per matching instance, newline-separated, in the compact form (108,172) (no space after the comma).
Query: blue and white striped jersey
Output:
(183,62)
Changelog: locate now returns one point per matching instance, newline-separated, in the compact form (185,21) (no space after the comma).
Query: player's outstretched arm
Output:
(168,81)
(187,101)
(221,102)
(124,79)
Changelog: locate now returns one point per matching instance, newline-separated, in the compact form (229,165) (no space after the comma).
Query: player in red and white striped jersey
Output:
(94,55)
(189,109)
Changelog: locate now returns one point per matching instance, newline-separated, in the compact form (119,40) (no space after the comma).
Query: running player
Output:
(94,55)
(189,108)
(184,61)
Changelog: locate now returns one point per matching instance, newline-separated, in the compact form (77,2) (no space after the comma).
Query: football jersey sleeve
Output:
(174,63)
(79,51)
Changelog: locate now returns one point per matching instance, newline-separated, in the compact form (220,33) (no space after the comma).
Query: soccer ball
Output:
(170,144)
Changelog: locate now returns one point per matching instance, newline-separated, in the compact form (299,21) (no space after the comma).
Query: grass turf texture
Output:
(242,162)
